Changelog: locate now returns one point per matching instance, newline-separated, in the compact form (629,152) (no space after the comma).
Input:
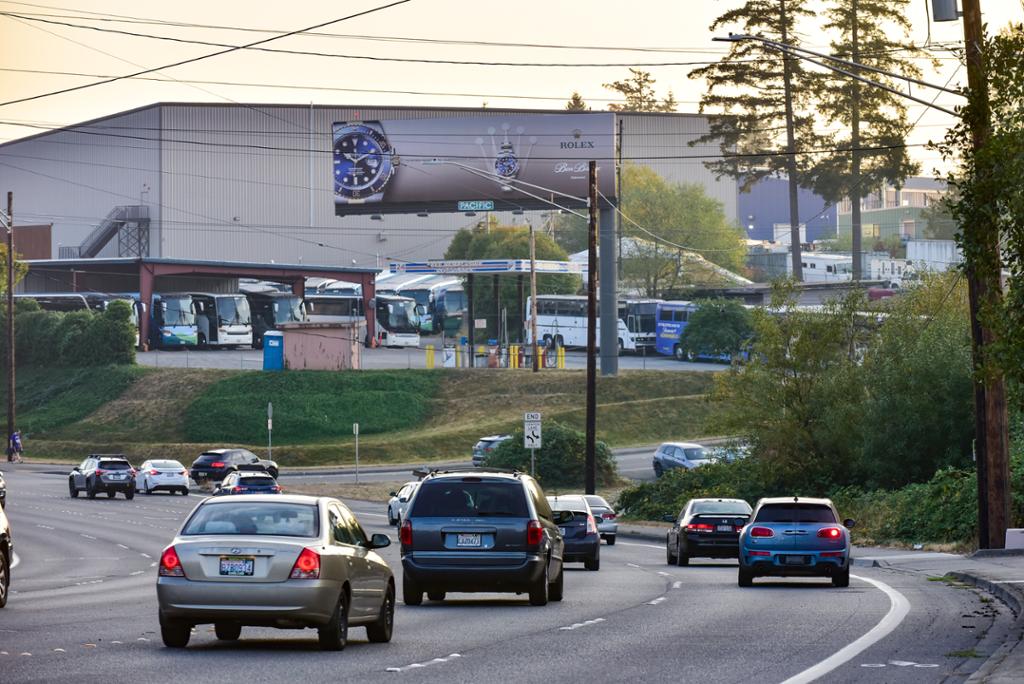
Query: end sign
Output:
(531,431)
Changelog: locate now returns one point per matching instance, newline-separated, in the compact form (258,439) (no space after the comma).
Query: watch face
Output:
(362,161)
(506,164)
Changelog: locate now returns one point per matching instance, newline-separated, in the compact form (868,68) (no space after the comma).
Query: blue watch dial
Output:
(506,165)
(362,162)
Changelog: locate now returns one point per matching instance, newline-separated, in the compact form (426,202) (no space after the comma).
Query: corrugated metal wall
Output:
(73,177)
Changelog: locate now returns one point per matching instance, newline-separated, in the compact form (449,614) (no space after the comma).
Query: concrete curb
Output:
(643,532)
(992,671)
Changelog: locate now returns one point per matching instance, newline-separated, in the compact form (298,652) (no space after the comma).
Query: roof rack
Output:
(483,471)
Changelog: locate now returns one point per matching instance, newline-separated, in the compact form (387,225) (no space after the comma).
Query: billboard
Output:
(480,163)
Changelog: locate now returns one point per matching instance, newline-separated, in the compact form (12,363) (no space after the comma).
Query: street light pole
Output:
(10,320)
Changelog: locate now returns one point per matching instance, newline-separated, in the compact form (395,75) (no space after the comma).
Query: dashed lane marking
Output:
(650,546)
(664,574)
(1008,582)
(87,536)
(124,547)
(414,666)
(633,565)
(577,625)
(656,601)
(676,585)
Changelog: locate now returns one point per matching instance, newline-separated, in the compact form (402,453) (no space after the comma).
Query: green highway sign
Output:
(476,205)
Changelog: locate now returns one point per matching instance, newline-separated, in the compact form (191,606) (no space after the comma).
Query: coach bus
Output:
(562,321)
(173,321)
(398,321)
(222,320)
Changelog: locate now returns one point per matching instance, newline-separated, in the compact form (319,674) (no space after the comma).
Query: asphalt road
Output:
(83,609)
(249,359)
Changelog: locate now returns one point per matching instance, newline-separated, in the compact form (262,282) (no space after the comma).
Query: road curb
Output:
(1007,663)
(638,532)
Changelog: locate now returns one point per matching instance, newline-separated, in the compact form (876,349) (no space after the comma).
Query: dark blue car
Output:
(582,538)
(247,483)
(795,536)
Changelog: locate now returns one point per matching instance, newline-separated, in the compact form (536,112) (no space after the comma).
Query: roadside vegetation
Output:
(871,409)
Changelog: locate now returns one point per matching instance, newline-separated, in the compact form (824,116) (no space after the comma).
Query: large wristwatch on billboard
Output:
(506,164)
(364,162)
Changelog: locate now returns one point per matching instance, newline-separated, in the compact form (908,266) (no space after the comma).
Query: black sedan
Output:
(247,483)
(708,528)
(215,464)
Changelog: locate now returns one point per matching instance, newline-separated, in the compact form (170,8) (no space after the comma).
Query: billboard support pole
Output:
(472,319)
(533,298)
(589,467)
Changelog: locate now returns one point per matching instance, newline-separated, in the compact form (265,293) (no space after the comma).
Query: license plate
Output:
(467,540)
(233,566)
(724,528)
(564,531)
(795,560)
(117,476)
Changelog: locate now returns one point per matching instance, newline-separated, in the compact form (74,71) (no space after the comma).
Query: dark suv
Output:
(474,531)
(103,473)
(215,464)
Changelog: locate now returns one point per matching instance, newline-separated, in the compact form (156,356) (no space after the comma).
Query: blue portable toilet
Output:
(273,350)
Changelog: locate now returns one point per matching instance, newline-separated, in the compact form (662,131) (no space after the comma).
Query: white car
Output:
(399,502)
(161,475)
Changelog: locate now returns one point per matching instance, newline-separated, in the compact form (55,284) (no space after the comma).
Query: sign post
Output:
(532,438)
(355,431)
(270,429)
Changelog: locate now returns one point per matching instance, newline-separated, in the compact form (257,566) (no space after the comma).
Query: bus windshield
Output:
(643,317)
(422,297)
(233,311)
(398,315)
(178,311)
(336,306)
(288,310)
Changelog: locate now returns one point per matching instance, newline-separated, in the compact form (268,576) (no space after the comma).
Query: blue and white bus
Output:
(173,321)
(672,318)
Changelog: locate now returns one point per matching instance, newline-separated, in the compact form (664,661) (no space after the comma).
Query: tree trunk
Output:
(855,181)
(794,210)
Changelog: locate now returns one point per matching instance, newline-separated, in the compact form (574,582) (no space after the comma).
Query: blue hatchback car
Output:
(795,536)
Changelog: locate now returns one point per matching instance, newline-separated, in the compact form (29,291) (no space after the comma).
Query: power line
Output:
(192,60)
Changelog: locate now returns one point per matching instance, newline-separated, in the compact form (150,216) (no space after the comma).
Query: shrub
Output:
(561,459)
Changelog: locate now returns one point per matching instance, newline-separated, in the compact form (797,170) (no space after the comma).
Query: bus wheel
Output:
(621,346)
(559,342)
(201,341)
(678,352)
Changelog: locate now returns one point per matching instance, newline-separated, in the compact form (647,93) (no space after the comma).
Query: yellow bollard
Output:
(458,356)
(513,356)
(561,357)
(430,356)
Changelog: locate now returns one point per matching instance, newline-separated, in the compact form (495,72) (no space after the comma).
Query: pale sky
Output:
(657,31)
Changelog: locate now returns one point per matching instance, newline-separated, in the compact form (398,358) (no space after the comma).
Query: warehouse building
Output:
(254,184)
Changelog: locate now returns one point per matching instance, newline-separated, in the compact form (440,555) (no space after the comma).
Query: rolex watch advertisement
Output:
(500,161)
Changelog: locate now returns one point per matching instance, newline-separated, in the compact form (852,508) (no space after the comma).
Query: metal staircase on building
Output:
(131,226)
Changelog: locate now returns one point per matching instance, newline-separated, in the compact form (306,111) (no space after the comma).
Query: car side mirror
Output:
(76,470)
(393,494)
(849,522)
(404,499)
(562,517)
(379,541)
(668,518)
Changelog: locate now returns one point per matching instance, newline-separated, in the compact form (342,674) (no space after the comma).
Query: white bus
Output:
(334,308)
(222,320)
(562,320)
(398,321)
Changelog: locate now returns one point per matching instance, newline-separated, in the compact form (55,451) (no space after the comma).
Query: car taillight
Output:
(154,471)
(185,473)
(405,534)
(236,490)
(99,472)
(277,488)
(762,532)
(700,527)
(170,564)
(535,532)
(832,554)
(759,553)
(591,525)
(217,464)
(830,533)
(307,565)
(608,516)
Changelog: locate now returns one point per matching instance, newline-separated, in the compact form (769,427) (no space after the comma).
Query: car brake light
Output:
(277,488)
(700,527)
(591,525)
(608,516)
(535,533)
(830,533)
(217,464)
(236,490)
(762,532)
(170,564)
(307,565)
(185,473)
(832,554)
(759,553)
(405,534)
(154,471)
(99,472)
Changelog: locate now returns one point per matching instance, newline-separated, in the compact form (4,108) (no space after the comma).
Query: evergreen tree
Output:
(638,90)
(753,92)
(871,151)
(576,103)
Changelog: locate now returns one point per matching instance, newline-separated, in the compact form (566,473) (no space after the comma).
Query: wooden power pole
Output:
(10,320)
(982,265)
(590,474)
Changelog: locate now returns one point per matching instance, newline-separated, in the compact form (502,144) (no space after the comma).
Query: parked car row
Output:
(232,471)
(780,537)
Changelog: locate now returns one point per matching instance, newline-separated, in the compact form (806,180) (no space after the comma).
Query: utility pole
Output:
(533,299)
(857,230)
(981,262)
(590,478)
(794,208)
(10,320)
(618,194)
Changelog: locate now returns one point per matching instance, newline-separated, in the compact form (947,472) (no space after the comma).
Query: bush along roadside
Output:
(559,461)
(943,510)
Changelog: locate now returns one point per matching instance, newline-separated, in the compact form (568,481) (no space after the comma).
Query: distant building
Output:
(893,211)
(764,212)
(934,255)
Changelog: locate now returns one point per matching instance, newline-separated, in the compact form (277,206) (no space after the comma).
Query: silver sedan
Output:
(283,561)
(605,516)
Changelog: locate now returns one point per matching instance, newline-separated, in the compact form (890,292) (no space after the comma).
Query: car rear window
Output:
(576,503)
(263,519)
(257,481)
(470,498)
(166,464)
(795,513)
(114,465)
(597,501)
(210,458)
(723,507)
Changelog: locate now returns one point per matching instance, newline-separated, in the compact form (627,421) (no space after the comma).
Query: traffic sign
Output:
(531,431)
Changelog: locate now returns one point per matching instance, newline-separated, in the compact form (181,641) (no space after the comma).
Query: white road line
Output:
(577,625)
(650,546)
(87,536)
(1008,582)
(414,666)
(899,606)
(656,601)
(123,546)
(676,585)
